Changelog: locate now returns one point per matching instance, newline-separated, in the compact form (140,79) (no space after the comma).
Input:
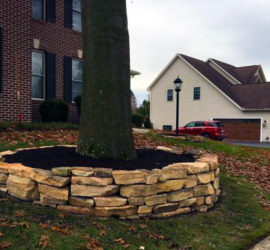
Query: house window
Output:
(38,9)
(77,78)
(76,15)
(170,95)
(38,75)
(197,93)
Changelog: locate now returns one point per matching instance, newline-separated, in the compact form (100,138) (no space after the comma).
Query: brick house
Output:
(45,37)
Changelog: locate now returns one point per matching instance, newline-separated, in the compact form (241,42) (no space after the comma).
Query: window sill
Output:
(37,99)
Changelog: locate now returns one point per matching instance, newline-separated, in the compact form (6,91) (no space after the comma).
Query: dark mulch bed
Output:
(48,158)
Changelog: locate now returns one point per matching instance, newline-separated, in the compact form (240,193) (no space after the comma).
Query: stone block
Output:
(56,193)
(136,201)
(217,172)
(216,183)
(210,200)
(94,181)
(212,175)
(202,209)
(45,199)
(173,213)
(145,210)
(156,199)
(180,195)
(62,171)
(171,185)
(83,171)
(138,190)
(22,188)
(76,210)
(110,201)
(93,191)
(171,173)
(192,181)
(4,168)
(167,207)
(203,190)
(124,211)
(151,179)
(20,170)
(211,159)
(3,178)
(125,177)
(167,149)
(188,203)
(204,178)
(3,188)
(200,201)
(103,172)
(81,202)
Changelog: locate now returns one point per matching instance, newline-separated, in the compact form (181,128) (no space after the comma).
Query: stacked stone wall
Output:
(179,188)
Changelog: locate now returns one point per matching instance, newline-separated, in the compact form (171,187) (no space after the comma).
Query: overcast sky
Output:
(233,31)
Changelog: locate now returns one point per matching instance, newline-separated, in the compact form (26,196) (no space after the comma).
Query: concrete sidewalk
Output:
(262,245)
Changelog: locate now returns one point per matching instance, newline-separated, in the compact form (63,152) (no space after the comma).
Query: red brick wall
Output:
(19,30)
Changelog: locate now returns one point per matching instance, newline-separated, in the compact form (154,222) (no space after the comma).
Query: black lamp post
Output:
(178,86)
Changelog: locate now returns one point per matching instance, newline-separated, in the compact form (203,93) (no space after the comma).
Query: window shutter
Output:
(50,11)
(50,76)
(68,79)
(68,13)
(1,60)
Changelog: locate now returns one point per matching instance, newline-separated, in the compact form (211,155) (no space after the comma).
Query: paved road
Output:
(252,144)
(263,245)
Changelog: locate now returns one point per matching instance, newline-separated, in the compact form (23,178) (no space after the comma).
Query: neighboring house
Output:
(213,90)
(46,38)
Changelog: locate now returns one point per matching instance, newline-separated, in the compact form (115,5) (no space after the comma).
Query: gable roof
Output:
(246,95)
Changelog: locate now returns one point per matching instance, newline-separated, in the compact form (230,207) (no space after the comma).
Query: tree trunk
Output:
(105,126)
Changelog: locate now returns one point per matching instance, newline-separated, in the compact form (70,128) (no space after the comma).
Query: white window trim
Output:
(44,76)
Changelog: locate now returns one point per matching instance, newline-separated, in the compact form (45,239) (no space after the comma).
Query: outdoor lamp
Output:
(178,86)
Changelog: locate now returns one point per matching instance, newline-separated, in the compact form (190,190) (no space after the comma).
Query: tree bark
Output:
(105,125)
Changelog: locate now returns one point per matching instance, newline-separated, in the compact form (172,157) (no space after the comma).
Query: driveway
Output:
(251,144)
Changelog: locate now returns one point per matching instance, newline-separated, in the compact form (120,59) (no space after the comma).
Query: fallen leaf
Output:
(19,213)
(5,244)
(132,229)
(143,226)
(44,241)
(156,236)
(120,241)
(1,234)
(102,233)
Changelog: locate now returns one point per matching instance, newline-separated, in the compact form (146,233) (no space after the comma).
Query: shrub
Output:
(54,111)
(147,123)
(137,120)
(78,101)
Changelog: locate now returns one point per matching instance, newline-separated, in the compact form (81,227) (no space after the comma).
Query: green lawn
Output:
(236,222)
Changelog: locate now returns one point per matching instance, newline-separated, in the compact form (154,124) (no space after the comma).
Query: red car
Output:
(210,129)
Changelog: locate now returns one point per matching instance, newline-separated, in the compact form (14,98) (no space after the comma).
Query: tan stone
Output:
(173,213)
(217,172)
(203,190)
(82,171)
(95,181)
(81,202)
(151,179)
(180,195)
(202,209)
(110,201)
(200,201)
(92,191)
(125,177)
(124,211)
(138,190)
(192,167)
(156,199)
(212,175)
(136,201)
(216,183)
(62,171)
(145,210)
(172,174)
(188,202)
(3,189)
(218,192)
(57,193)
(209,200)
(20,170)
(44,204)
(103,172)
(76,210)
(3,178)
(163,208)
(211,159)
(204,178)
(192,181)
(22,188)
(4,168)
(171,185)
(46,177)
(164,148)
(45,199)
(8,152)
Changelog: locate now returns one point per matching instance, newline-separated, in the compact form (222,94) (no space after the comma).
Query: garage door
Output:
(242,129)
